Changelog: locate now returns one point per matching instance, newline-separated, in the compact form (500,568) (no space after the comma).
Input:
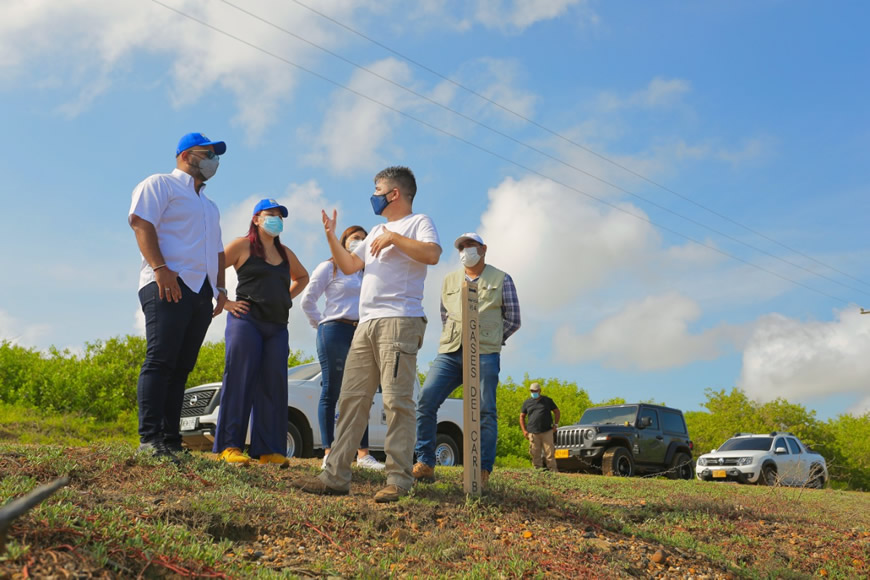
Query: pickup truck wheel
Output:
(446,450)
(617,461)
(681,467)
(817,478)
(768,475)
(294,441)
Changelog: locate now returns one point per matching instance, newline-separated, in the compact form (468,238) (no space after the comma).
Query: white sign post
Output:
(471,389)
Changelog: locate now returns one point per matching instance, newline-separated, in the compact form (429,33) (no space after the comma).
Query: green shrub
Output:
(99,383)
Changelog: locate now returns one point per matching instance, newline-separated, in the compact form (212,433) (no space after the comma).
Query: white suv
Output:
(776,458)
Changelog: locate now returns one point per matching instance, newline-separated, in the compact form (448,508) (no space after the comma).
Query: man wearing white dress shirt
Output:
(178,232)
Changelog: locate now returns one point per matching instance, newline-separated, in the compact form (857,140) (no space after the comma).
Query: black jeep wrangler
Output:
(625,440)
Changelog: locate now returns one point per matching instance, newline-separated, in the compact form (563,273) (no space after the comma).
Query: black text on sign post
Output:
(471,389)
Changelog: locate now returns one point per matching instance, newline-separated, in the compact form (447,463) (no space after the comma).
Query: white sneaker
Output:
(323,465)
(369,462)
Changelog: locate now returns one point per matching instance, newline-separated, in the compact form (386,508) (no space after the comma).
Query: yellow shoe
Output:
(275,458)
(233,455)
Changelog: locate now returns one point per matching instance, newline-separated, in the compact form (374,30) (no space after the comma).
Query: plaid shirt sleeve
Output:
(510,307)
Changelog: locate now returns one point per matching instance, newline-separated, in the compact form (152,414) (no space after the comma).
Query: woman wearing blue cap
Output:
(257,347)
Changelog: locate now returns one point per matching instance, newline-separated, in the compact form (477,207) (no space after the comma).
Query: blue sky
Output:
(754,113)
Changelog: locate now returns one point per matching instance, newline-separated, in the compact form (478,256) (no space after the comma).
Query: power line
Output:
(598,155)
(531,147)
(493,153)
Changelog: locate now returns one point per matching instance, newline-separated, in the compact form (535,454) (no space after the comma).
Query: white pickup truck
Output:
(199,414)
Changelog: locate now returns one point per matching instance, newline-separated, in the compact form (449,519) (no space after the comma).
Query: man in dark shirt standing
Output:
(539,420)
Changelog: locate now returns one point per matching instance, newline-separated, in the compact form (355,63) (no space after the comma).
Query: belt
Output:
(345,321)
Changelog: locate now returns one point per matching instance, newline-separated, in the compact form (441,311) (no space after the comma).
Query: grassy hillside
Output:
(124,516)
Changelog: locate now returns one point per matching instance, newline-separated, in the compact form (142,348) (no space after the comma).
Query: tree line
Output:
(101,381)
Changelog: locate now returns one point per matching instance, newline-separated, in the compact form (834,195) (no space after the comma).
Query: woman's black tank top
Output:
(266,288)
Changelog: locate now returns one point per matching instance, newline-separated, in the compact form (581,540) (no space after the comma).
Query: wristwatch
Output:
(224,290)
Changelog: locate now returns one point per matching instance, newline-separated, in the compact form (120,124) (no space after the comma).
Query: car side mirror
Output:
(645,422)
(780,451)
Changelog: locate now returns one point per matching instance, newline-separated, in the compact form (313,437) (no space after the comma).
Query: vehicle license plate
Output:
(719,473)
(189,423)
(563,453)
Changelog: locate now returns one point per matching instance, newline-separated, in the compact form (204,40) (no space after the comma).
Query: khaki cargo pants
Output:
(383,352)
(542,448)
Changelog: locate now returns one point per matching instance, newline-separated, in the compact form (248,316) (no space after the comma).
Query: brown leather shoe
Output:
(390,494)
(484,477)
(424,473)
(317,487)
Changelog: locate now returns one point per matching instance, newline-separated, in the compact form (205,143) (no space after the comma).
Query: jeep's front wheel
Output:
(681,467)
(617,461)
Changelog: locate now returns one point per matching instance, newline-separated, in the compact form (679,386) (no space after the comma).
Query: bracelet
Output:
(224,290)
(155,268)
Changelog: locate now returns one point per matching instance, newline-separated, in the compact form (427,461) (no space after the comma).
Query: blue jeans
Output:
(174,331)
(333,344)
(444,376)
(255,387)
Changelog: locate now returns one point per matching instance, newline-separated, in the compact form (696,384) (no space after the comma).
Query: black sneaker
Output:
(159,450)
(178,449)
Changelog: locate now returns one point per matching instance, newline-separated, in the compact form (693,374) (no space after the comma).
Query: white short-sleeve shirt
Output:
(341,291)
(187,225)
(393,282)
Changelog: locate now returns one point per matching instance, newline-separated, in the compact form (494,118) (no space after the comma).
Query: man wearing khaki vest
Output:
(499,318)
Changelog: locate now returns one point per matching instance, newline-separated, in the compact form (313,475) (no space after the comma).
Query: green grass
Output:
(21,424)
(125,514)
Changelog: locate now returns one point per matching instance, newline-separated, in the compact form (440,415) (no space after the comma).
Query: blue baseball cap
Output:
(269,204)
(194,139)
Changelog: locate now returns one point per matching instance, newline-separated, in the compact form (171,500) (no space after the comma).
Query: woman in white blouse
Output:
(335,327)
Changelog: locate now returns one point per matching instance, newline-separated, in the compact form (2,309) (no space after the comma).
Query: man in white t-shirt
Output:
(182,270)
(395,256)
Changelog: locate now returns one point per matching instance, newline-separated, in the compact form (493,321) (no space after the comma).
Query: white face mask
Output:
(208,167)
(469,257)
(353,245)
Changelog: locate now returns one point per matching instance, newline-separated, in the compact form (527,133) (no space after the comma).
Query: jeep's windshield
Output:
(747,444)
(604,415)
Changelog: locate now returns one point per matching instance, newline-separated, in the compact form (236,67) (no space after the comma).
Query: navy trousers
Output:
(255,387)
(174,331)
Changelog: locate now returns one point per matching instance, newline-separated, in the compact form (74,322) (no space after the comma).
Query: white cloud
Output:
(651,334)
(84,44)
(660,92)
(862,407)
(354,127)
(356,130)
(518,15)
(750,150)
(799,360)
(20,332)
(557,244)
(497,80)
